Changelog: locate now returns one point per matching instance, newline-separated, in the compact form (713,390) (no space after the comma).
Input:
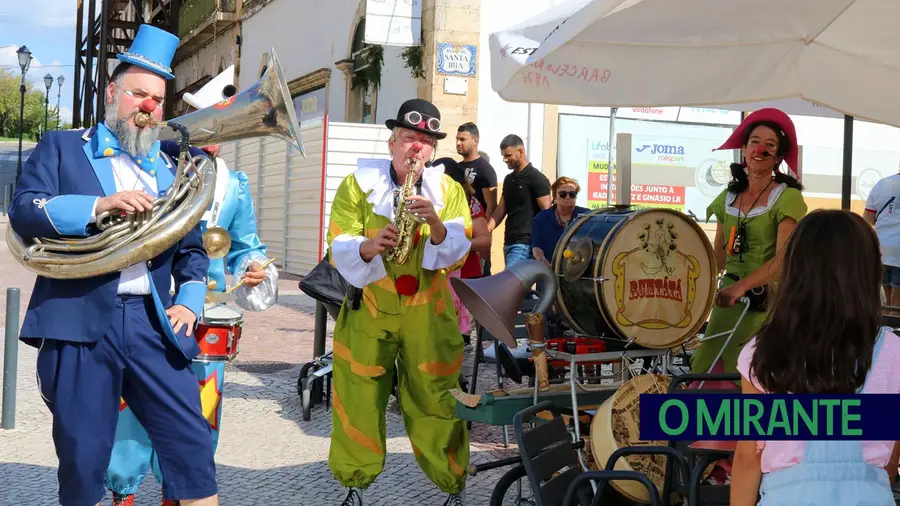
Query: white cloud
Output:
(52,13)
(65,114)
(9,61)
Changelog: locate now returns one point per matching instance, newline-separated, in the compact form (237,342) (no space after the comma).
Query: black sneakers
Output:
(354,498)
(454,500)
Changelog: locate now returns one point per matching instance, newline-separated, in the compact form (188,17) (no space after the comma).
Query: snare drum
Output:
(219,334)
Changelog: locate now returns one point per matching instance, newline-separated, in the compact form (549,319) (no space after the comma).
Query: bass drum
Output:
(647,275)
(616,425)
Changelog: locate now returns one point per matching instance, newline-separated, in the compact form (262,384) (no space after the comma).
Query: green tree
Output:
(34,107)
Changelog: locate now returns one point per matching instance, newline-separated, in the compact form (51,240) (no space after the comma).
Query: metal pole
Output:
(58,95)
(319,330)
(46,109)
(847,175)
(21,125)
(609,166)
(10,355)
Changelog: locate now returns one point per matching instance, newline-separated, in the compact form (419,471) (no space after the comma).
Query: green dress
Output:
(762,235)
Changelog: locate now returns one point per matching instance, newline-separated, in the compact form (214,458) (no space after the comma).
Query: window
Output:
(361,102)
(310,107)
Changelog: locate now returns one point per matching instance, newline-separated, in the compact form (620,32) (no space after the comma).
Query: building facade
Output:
(334,74)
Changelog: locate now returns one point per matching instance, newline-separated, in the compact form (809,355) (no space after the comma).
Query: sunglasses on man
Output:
(565,194)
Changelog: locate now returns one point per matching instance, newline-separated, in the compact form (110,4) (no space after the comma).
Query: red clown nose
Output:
(418,146)
(148,106)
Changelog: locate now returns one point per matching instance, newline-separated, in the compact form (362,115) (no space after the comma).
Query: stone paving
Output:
(267,454)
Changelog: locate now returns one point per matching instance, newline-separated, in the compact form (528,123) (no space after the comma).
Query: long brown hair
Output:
(821,332)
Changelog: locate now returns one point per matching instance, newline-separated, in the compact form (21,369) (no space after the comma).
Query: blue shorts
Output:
(891,276)
(83,383)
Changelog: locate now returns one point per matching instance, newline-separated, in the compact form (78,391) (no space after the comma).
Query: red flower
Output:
(407,285)
(416,237)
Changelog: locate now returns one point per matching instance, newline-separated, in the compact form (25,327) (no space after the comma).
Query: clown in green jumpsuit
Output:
(405,314)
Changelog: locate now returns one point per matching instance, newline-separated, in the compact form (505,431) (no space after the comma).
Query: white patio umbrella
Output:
(811,57)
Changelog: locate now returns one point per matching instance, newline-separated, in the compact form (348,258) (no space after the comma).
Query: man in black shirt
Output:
(526,192)
(479,173)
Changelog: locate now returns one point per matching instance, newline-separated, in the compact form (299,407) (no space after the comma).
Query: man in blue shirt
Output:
(549,224)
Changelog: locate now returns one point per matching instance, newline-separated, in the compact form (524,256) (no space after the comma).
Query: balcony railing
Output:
(194,13)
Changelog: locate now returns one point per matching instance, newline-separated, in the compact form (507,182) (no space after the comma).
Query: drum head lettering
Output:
(660,273)
(617,426)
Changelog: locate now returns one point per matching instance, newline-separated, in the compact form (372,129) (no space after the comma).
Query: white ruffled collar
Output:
(373,175)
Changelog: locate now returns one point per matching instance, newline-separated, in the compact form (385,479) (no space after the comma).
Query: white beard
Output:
(136,142)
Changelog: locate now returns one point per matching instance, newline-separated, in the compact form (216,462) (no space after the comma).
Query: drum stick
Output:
(534,322)
(235,287)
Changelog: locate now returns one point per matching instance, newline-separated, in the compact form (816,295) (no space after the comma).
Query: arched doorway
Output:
(362,102)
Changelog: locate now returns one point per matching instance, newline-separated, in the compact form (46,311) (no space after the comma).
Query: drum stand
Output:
(730,333)
(626,357)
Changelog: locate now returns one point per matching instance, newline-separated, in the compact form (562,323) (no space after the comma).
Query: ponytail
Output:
(739,180)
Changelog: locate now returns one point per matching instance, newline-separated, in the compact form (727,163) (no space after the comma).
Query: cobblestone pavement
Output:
(267,454)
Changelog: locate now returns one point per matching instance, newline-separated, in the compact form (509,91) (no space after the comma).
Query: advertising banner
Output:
(641,195)
(679,173)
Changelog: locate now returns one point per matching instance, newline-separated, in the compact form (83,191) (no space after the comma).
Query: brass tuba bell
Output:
(265,109)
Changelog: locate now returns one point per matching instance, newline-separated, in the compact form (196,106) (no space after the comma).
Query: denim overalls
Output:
(832,473)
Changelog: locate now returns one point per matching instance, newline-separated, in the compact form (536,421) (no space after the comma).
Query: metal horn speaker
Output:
(494,301)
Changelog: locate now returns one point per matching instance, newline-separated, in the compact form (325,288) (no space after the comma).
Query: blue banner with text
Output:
(715,417)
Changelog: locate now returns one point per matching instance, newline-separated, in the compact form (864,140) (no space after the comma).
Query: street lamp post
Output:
(24,62)
(59,81)
(48,82)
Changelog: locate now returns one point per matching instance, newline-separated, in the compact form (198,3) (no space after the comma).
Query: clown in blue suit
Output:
(231,209)
(121,335)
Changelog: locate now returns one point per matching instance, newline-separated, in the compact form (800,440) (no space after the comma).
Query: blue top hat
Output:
(152,49)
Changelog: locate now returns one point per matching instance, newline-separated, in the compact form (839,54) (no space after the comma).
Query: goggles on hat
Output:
(418,119)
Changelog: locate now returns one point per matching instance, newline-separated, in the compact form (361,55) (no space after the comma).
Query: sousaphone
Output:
(125,239)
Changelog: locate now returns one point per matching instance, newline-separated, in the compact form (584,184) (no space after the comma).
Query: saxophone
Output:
(406,223)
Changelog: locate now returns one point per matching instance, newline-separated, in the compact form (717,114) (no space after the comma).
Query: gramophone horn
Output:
(494,302)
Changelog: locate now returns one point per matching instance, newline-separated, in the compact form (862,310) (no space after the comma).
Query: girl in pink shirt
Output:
(822,337)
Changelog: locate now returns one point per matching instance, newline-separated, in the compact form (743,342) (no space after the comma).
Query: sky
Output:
(47,27)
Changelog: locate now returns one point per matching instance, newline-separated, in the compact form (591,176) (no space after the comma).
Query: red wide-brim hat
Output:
(775,116)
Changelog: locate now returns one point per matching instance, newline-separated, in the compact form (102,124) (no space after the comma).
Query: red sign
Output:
(641,194)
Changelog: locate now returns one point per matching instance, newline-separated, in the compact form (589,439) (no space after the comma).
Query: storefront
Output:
(674,163)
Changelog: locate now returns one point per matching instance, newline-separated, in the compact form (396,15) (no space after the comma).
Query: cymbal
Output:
(217,242)
(576,259)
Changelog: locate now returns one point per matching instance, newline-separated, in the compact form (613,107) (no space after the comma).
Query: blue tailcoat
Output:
(54,198)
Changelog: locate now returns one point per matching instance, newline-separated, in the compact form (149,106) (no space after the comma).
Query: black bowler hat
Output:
(420,115)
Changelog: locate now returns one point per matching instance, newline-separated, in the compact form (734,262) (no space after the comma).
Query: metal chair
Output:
(604,477)
(547,456)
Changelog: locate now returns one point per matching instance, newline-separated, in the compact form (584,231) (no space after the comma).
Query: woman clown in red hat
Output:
(755,215)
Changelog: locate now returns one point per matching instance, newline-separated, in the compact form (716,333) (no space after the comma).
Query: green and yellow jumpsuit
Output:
(406,315)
